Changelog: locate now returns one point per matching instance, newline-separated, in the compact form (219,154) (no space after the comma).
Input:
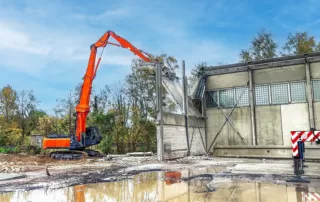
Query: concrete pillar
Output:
(185,104)
(309,93)
(252,107)
(160,146)
(204,115)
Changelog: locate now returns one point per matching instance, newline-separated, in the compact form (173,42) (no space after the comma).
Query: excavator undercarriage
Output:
(67,148)
(74,154)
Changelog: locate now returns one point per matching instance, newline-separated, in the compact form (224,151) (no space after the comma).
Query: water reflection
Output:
(161,186)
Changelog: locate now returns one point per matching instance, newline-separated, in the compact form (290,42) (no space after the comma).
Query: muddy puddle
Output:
(181,185)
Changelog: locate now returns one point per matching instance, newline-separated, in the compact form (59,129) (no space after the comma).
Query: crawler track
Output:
(68,155)
(75,155)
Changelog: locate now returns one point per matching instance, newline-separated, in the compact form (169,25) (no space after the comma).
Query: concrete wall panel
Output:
(294,117)
(242,121)
(227,80)
(316,108)
(268,125)
(315,70)
(214,123)
(281,74)
(240,118)
(197,140)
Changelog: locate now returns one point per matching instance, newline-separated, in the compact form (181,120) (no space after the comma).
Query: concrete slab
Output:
(11,176)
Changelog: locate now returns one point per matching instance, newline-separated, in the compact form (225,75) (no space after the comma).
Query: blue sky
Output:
(45,46)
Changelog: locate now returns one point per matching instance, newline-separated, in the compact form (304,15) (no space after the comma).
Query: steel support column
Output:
(252,107)
(309,93)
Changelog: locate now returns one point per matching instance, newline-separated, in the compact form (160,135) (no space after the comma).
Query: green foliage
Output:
(124,113)
(196,73)
(106,144)
(9,150)
(141,85)
(262,47)
(300,43)
(34,149)
(8,102)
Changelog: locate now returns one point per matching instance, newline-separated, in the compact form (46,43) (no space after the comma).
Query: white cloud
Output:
(31,53)
(18,41)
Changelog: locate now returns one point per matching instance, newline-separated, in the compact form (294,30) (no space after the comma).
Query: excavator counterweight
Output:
(84,137)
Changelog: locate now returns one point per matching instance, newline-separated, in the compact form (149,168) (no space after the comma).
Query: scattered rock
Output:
(92,160)
(110,179)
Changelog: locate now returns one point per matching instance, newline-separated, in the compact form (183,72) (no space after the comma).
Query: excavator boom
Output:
(83,108)
(87,136)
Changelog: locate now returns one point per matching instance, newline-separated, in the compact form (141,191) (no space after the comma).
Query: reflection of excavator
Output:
(86,136)
(173,177)
(79,193)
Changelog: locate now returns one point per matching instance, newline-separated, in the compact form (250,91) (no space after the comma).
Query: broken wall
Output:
(174,136)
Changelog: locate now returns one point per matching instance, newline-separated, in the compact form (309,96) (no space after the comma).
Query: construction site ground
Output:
(34,172)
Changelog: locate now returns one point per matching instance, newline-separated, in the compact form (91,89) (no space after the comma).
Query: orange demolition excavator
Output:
(86,136)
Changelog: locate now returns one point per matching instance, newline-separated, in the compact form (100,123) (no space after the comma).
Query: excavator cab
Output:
(91,137)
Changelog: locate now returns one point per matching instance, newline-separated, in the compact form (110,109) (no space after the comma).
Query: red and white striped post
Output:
(310,196)
(297,139)
(304,136)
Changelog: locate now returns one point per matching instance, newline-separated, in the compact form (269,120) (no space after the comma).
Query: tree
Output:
(120,110)
(300,43)
(26,104)
(34,117)
(10,132)
(77,93)
(141,85)
(48,125)
(262,47)
(106,124)
(66,107)
(8,99)
(196,73)
(101,101)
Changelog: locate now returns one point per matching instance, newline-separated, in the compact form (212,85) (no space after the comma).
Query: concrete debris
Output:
(140,154)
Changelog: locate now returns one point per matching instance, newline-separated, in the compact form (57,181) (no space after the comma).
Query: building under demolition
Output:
(249,109)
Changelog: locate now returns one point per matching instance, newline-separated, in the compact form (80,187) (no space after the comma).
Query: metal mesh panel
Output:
(298,91)
(316,90)
(244,101)
(261,94)
(210,101)
(226,98)
(279,93)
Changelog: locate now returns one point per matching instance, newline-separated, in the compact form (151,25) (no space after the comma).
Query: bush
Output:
(34,149)
(9,150)
(106,144)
